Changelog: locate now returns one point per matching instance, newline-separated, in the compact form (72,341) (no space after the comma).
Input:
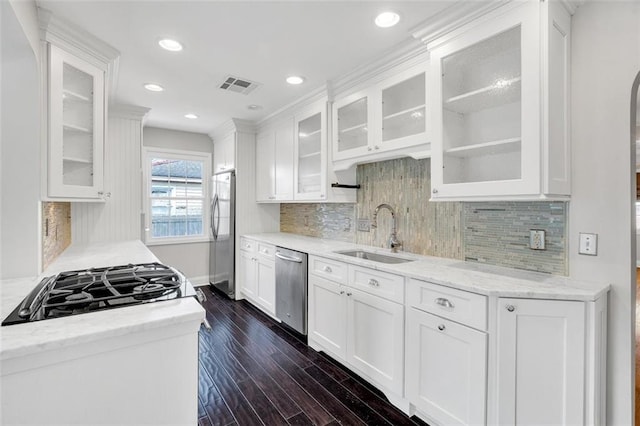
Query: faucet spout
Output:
(393,241)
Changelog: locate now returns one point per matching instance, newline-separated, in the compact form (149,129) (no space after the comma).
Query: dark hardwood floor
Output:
(254,372)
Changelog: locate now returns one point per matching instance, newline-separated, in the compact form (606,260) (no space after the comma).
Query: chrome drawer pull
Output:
(327,269)
(349,294)
(441,327)
(510,308)
(341,291)
(444,302)
(374,282)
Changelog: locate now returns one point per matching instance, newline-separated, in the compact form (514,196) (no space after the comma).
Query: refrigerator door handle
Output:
(215,218)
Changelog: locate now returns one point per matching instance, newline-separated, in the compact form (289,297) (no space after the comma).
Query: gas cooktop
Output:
(95,289)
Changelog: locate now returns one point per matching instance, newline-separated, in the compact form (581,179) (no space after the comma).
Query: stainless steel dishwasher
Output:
(291,288)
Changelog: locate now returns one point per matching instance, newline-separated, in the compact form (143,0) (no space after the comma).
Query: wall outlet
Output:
(536,239)
(364,225)
(588,244)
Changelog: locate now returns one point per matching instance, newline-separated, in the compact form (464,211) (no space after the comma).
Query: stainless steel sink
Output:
(375,257)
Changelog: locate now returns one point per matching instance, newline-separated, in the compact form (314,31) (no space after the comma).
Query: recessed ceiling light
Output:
(153,87)
(254,107)
(190,116)
(295,79)
(170,45)
(387,19)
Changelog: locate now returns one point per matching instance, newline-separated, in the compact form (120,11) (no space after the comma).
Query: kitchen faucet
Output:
(393,242)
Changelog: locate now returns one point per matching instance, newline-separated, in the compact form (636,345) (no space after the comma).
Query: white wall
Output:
(192,258)
(20,149)
(27,14)
(605,61)
(118,219)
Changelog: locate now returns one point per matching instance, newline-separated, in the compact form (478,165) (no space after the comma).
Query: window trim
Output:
(205,157)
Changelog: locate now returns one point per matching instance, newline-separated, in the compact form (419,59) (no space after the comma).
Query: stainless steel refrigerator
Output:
(222,229)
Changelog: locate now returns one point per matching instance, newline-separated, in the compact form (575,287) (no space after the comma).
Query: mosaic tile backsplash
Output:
(495,233)
(498,234)
(56,230)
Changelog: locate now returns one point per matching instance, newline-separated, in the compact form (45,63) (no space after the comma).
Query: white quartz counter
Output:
(478,278)
(40,336)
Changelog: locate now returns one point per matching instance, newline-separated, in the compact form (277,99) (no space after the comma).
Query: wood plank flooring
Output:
(254,372)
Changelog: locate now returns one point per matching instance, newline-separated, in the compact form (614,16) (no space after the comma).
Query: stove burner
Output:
(148,291)
(83,296)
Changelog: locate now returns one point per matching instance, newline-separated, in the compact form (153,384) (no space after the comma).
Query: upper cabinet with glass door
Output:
(79,67)
(310,173)
(76,126)
(500,129)
(387,120)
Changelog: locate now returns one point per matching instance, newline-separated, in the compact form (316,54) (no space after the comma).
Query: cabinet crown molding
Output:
(130,112)
(452,18)
(81,43)
(233,125)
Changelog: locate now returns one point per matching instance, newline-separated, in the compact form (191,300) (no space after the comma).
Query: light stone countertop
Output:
(40,336)
(474,277)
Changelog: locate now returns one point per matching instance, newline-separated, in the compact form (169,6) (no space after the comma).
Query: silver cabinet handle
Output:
(376,147)
(510,308)
(374,282)
(349,294)
(341,291)
(444,302)
(265,251)
(288,258)
(327,269)
(434,190)
(441,327)
(369,148)
(247,245)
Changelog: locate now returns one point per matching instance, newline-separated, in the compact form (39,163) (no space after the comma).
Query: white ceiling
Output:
(263,41)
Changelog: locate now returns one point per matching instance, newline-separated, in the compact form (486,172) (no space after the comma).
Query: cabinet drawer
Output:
(457,305)
(329,269)
(266,251)
(383,284)
(248,245)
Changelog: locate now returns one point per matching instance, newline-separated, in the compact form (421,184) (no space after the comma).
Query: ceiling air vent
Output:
(239,85)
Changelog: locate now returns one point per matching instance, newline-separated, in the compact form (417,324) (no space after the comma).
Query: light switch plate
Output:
(364,225)
(588,244)
(536,239)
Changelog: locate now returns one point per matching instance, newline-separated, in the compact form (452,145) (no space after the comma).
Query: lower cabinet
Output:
(362,330)
(541,369)
(247,274)
(257,274)
(266,280)
(375,343)
(447,380)
(327,316)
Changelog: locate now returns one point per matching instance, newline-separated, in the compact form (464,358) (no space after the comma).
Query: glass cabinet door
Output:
(352,125)
(76,126)
(403,109)
(309,161)
(482,110)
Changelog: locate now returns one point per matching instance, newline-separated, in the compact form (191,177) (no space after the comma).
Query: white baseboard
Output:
(199,281)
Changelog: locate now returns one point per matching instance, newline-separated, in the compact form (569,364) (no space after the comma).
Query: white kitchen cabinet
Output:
(542,366)
(365,331)
(327,316)
(500,93)
(375,338)
(257,274)
(76,118)
(386,120)
(247,274)
(274,162)
(266,277)
(446,353)
(446,369)
(310,167)
(224,153)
